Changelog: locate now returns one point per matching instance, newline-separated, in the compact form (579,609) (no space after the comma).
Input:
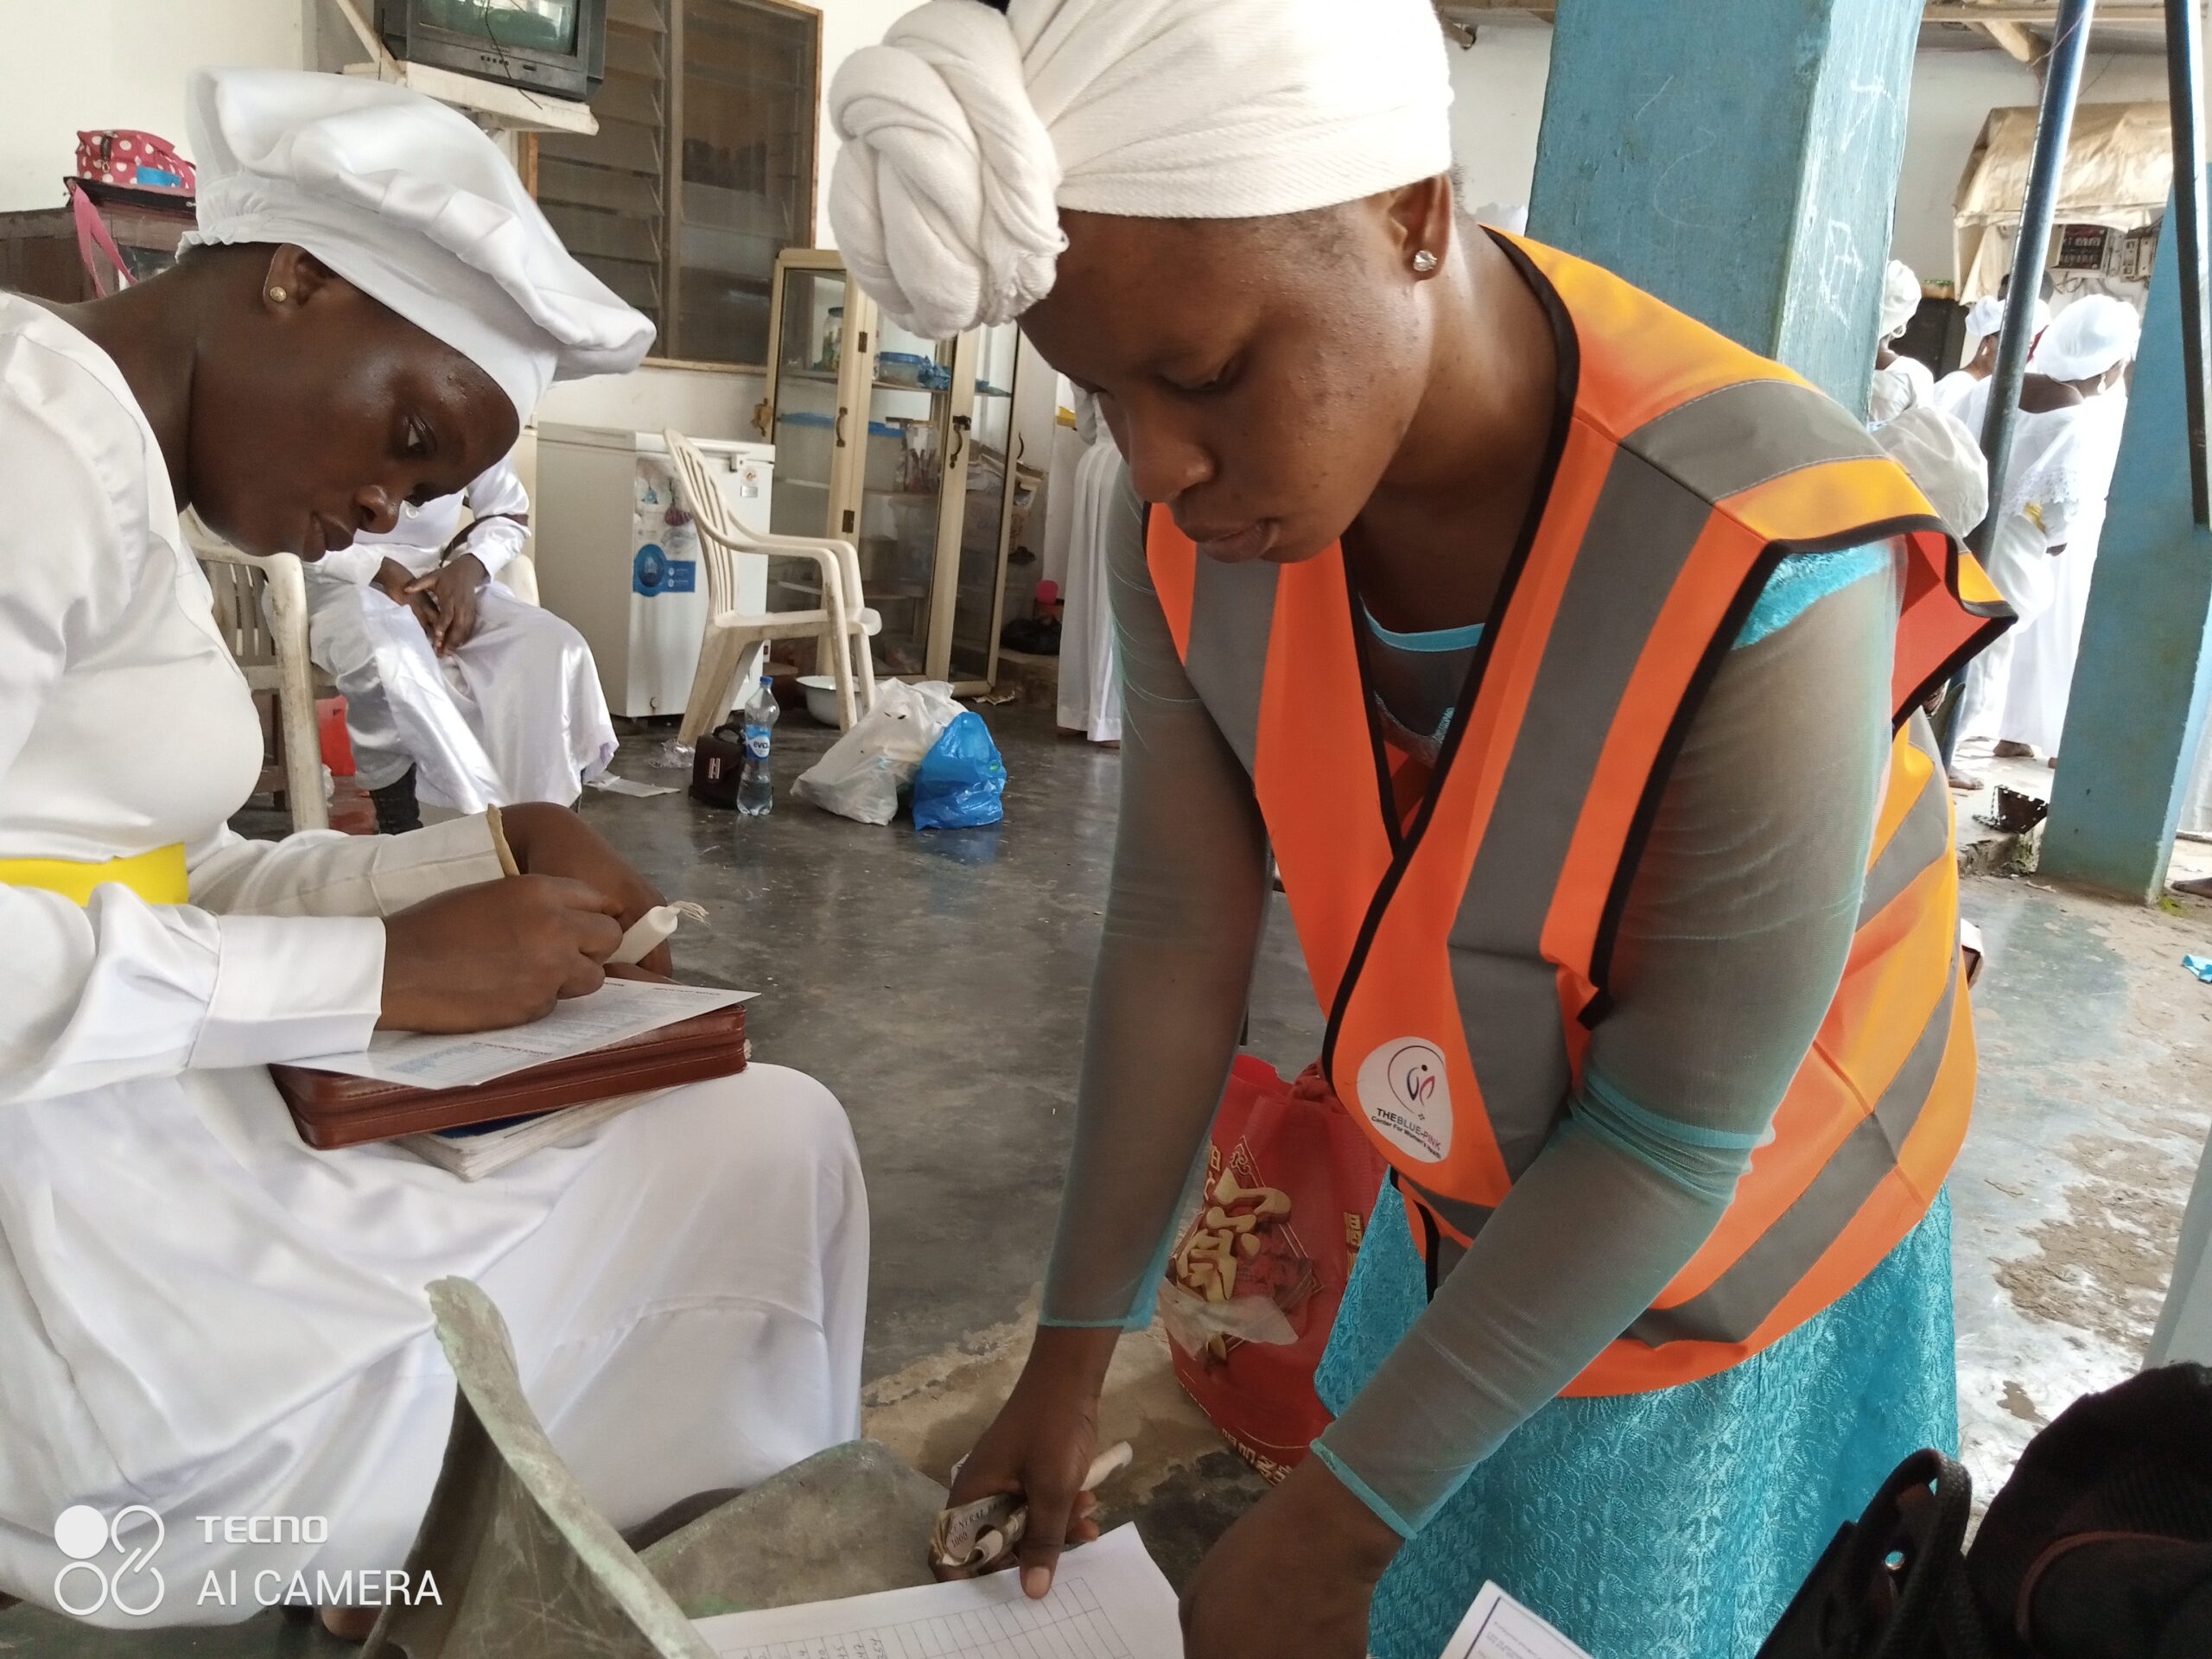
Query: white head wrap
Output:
(1900,299)
(1943,460)
(406,201)
(2090,336)
(1987,316)
(967,130)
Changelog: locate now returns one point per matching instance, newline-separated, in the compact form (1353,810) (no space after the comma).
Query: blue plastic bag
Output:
(962,778)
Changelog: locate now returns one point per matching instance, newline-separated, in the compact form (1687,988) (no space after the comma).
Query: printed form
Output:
(621,1008)
(1108,1601)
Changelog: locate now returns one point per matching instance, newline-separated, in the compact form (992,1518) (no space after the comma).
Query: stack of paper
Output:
(1108,1601)
(1498,1627)
(486,1149)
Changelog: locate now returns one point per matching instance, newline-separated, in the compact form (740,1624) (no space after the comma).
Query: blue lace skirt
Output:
(1674,1525)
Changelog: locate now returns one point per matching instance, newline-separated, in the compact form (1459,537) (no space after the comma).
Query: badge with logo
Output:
(1407,1097)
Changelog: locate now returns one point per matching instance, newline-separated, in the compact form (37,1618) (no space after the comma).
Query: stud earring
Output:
(1424,263)
(277,295)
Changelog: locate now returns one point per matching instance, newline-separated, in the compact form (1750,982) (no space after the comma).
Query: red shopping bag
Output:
(1253,1284)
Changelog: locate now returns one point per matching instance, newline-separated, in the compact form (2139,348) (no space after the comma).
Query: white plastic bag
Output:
(865,769)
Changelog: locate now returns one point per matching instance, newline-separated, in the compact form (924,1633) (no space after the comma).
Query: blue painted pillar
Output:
(1737,158)
(2140,685)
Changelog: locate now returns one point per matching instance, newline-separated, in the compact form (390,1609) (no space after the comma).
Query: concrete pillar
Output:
(2140,685)
(1737,158)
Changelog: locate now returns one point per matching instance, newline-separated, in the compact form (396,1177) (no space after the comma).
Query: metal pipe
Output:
(2062,86)
(2185,97)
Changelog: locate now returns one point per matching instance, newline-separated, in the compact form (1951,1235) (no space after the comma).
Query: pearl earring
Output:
(1424,263)
(277,295)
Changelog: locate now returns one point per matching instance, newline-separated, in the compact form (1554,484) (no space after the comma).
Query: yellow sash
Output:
(157,877)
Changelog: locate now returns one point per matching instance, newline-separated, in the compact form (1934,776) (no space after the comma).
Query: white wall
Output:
(1952,93)
(114,63)
(1497,104)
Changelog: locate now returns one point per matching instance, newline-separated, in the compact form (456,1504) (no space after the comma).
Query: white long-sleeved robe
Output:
(515,714)
(197,1312)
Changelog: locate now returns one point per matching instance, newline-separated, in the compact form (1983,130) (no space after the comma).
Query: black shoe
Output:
(397,812)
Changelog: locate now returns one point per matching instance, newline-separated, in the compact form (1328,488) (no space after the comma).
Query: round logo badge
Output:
(1405,1095)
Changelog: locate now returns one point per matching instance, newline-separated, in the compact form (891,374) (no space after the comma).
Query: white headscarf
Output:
(1900,299)
(2091,335)
(406,201)
(967,130)
(1942,457)
(1987,316)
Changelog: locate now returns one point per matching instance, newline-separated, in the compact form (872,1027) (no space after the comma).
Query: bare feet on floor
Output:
(2008,750)
(1965,782)
(2197,888)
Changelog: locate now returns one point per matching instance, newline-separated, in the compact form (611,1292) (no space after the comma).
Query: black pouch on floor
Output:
(717,764)
(1892,1585)
(2098,1546)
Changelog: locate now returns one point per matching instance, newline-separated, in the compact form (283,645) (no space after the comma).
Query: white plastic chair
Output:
(841,625)
(260,609)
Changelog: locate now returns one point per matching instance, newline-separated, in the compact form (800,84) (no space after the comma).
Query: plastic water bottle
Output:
(756,790)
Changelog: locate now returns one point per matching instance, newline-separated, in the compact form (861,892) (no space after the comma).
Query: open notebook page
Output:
(1108,1601)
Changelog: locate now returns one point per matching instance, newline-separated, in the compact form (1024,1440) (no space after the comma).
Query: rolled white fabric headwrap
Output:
(2090,336)
(966,131)
(406,201)
(1900,299)
(1987,316)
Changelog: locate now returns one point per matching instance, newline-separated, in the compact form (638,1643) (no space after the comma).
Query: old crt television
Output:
(555,47)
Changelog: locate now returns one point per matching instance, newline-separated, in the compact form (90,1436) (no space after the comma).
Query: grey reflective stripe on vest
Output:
(1656,502)
(1922,839)
(1745,1296)
(1232,613)
(1507,993)
(1750,434)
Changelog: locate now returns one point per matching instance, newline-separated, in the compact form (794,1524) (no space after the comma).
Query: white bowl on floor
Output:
(821,698)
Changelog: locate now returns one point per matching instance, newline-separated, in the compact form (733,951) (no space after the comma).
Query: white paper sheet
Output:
(612,785)
(619,1009)
(1108,1601)
(1498,1627)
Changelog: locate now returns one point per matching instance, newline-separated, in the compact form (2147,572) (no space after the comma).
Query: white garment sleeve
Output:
(357,564)
(119,988)
(502,509)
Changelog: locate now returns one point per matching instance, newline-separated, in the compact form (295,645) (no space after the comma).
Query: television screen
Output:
(517,25)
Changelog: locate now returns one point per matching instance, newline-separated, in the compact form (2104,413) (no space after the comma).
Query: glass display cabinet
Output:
(905,447)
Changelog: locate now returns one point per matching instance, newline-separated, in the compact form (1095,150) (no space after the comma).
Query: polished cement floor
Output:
(938,982)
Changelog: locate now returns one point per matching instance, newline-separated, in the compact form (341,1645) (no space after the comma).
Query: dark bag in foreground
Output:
(332,1110)
(2098,1546)
(718,767)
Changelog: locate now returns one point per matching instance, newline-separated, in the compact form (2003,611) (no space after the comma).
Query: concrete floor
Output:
(937,982)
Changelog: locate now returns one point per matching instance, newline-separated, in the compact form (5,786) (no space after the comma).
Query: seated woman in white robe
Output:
(457,693)
(197,1314)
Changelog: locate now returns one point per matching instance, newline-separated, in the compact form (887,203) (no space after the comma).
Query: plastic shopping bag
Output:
(1253,1288)
(866,769)
(962,778)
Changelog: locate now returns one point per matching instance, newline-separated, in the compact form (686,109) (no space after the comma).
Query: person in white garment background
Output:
(1900,382)
(1977,361)
(199,1315)
(1090,680)
(457,693)
(2065,440)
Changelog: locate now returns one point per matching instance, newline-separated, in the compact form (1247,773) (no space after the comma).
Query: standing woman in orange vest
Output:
(1565,655)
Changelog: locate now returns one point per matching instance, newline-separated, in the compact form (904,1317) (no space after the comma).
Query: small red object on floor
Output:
(337,745)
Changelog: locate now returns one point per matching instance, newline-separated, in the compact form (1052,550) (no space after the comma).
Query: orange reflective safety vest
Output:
(1457,921)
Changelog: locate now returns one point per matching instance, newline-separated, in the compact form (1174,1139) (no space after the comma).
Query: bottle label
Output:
(756,742)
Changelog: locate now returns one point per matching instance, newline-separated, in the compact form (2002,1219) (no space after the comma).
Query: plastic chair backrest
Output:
(239,614)
(720,534)
(523,1563)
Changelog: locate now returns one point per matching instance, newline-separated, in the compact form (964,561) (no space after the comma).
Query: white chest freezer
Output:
(618,556)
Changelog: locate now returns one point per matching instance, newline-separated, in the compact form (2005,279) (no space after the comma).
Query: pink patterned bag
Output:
(137,159)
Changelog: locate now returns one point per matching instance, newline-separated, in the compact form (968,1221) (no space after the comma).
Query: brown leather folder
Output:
(333,1111)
